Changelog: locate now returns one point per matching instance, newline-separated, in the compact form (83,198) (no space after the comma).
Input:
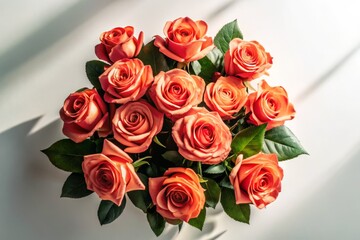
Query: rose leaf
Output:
(109,211)
(249,141)
(212,192)
(150,55)
(199,221)
(68,155)
(215,169)
(228,32)
(93,71)
(156,222)
(281,141)
(75,186)
(141,198)
(238,212)
(207,69)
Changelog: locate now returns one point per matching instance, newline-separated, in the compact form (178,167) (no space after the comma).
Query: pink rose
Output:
(226,96)
(126,80)
(135,124)
(118,43)
(185,40)
(110,173)
(178,194)
(83,114)
(269,105)
(202,136)
(246,59)
(256,179)
(175,92)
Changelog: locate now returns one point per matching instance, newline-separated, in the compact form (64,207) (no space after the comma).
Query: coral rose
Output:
(269,105)
(226,96)
(175,92)
(178,194)
(126,80)
(202,136)
(135,124)
(256,179)
(110,173)
(246,59)
(118,43)
(185,40)
(83,114)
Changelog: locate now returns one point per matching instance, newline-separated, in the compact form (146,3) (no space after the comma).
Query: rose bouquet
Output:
(177,125)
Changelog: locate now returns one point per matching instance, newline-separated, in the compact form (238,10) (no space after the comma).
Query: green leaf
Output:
(138,163)
(75,186)
(141,198)
(249,141)
(238,212)
(68,155)
(216,57)
(93,70)
(212,192)
(282,141)
(150,55)
(199,221)
(225,183)
(228,32)
(215,169)
(156,222)
(207,69)
(173,156)
(109,211)
(157,141)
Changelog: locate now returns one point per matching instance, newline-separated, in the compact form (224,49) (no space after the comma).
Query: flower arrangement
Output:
(177,126)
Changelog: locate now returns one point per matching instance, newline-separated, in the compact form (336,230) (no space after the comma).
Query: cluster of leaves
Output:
(162,154)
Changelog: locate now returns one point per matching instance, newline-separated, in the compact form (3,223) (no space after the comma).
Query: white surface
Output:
(315,45)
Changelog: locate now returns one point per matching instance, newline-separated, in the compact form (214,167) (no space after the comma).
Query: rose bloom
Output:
(178,194)
(118,43)
(269,105)
(246,59)
(83,114)
(185,40)
(110,173)
(175,92)
(202,136)
(135,124)
(256,179)
(126,80)
(226,96)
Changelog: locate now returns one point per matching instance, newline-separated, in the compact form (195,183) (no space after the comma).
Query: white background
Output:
(315,45)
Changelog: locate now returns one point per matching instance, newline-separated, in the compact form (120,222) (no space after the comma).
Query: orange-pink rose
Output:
(110,173)
(202,136)
(256,179)
(185,40)
(226,96)
(135,124)
(118,43)
(178,194)
(175,92)
(126,80)
(83,114)
(246,59)
(269,105)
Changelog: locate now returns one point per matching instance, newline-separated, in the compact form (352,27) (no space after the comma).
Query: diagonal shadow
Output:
(224,7)
(332,212)
(48,34)
(30,187)
(324,77)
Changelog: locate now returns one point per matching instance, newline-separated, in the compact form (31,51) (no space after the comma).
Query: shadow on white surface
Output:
(48,34)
